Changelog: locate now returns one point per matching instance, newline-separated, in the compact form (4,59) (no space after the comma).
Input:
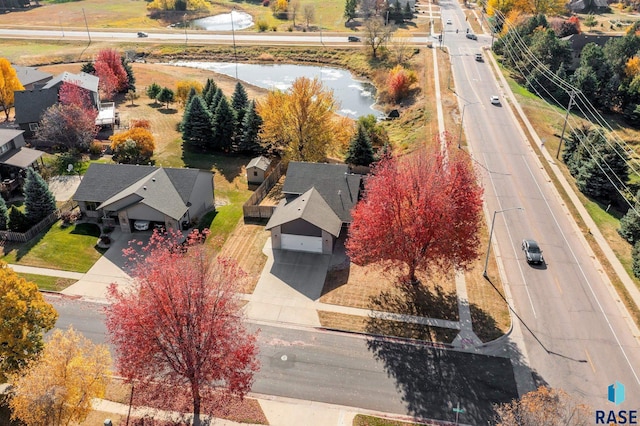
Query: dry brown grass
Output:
(245,246)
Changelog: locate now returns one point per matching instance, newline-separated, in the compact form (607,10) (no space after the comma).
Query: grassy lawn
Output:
(364,420)
(48,283)
(69,249)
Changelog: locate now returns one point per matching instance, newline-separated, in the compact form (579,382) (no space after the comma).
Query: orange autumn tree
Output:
(399,82)
(419,212)
(134,146)
(544,406)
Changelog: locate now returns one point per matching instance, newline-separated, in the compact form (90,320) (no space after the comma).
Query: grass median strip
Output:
(45,282)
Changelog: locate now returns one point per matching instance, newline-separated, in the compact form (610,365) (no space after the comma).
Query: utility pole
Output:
(566,117)
(233,33)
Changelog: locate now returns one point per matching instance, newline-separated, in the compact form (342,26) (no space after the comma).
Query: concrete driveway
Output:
(289,285)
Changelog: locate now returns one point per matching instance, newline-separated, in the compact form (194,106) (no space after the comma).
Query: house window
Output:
(255,173)
(33,127)
(6,147)
(91,206)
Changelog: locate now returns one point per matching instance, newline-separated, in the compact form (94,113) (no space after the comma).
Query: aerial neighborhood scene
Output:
(294,212)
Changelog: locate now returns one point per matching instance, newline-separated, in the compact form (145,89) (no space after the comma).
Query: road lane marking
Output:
(555,279)
(593,367)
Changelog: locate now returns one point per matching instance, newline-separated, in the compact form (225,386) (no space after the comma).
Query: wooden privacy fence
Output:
(23,237)
(252,209)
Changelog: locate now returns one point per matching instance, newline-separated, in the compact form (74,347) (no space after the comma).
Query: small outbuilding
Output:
(258,169)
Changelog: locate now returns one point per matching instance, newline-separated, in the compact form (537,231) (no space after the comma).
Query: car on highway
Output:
(479,57)
(449,22)
(532,252)
(495,100)
(472,36)
(141,34)
(141,225)
(353,38)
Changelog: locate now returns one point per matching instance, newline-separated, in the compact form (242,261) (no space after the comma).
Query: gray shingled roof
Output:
(108,183)
(339,188)
(84,80)
(7,135)
(22,157)
(154,190)
(310,207)
(260,162)
(30,75)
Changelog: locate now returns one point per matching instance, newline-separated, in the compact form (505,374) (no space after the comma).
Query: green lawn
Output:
(48,283)
(69,249)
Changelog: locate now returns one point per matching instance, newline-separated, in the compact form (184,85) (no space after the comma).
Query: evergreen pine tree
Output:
(131,78)
(192,93)
(153,91)
(196,124)
(239,102)
(635,259)
(249,140)
(4,215)
(210,88)
(38,200)
(630,223)
(88,68)
(360,151)
(17,220)
(215,100)
(223,125)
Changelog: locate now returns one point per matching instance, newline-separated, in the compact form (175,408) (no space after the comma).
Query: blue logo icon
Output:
(616,393)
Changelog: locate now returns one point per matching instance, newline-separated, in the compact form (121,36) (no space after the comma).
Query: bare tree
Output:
(309,12)
(294,8)
(377,34)
(400,46)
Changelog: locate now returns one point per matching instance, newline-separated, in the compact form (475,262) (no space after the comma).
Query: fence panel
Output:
(251,208)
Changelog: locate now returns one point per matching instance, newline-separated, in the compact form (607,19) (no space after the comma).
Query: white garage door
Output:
(301,243)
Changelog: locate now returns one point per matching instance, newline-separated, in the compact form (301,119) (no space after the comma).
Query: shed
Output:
(258,169)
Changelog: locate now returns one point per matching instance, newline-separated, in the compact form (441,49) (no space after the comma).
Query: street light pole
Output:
(486,261)
(233,35)
(184,24)
(461,120)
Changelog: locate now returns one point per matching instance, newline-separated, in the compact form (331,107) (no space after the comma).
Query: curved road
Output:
(576,335)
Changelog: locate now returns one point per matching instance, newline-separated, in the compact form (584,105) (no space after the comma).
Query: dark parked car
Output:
(353,38)
(532,252)
(472,36)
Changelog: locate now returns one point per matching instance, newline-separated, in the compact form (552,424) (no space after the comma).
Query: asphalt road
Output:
(575,335)
(356,371)
(193,36)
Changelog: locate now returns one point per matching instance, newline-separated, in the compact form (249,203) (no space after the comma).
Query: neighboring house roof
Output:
(165,190)
(7,135)
(30,75)
(260,162)
(31,104)
(22,157)
(84,80)
(310,207)
(339,188)
(580,5)
(578,41)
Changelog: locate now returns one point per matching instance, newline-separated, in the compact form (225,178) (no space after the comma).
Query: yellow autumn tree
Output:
(24,318)
(300,124)
(9,83)
(632,67)
(171,5)
(57,388)
(184,87)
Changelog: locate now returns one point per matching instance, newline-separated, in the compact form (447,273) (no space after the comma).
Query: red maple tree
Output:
(178,331)
(72,94)
(113,61)
(421,211)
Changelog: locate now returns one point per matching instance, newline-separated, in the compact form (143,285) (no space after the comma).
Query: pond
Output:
(357,98)
(231,21)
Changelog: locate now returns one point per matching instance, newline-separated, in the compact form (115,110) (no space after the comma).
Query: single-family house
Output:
(317,204)
(30,104)
(15,157)
(123,194)
(258,169)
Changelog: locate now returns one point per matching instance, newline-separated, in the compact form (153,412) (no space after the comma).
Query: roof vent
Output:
(153,179)
(144,187)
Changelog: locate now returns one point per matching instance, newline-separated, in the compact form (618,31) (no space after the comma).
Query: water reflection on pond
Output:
(356,97)
(224,22)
